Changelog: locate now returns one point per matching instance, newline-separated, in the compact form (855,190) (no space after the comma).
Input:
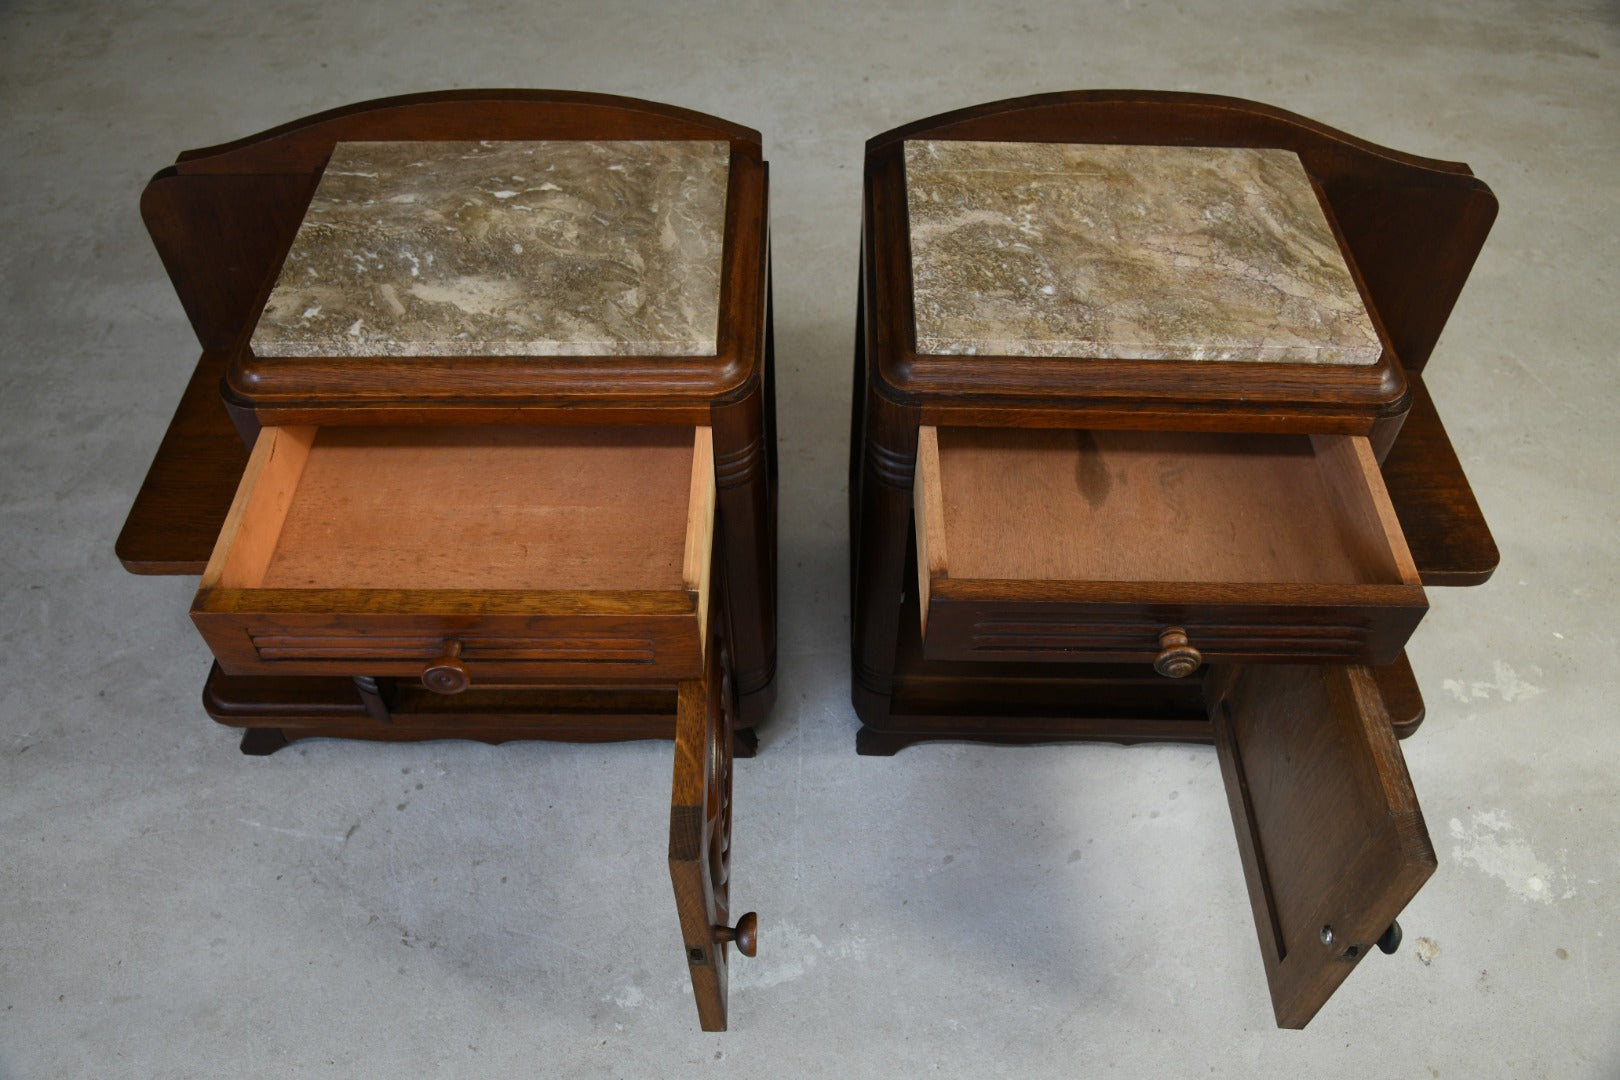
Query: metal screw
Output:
(1327,935)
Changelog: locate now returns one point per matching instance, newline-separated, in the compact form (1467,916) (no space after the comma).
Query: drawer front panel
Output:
(274,644)
(1058,631)
(493,648)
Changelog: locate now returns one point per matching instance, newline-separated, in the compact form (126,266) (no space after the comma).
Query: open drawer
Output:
(466,555)
(1174,547)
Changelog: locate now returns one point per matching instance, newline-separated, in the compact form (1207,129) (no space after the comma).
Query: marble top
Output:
(506,249)
(1127,253)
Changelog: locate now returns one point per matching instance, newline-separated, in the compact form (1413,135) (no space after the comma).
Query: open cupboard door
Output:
(700,825)
(1332,840)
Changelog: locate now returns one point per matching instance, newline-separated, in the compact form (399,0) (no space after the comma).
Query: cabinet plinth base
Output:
(276,711)
(1119,707)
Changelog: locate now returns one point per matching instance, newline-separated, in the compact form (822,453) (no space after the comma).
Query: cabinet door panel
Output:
(1332,839)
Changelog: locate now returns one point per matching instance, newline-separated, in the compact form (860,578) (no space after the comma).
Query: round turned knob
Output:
(1177,658)
(745,935)
(447,674)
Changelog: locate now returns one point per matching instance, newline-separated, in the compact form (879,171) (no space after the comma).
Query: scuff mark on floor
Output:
(1489,842)
(1427,950)
(300,833)
(1506,685)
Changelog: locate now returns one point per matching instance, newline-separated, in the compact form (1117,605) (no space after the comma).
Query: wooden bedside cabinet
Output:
(1141,451)
(481,444)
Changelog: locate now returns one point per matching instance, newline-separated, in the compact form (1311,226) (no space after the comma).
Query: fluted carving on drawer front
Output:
(279,644)
(1026,634)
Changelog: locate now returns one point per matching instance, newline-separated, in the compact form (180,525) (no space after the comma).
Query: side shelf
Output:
(188,489)
(1447,534)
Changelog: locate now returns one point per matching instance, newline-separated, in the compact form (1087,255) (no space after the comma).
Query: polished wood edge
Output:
(1208,110)
(1445,529)
(1301,597)
(173,524)
(1384,865)
(701,125)
(700,824)
(988,411)
(404,605)
(1348,254)
(695,412)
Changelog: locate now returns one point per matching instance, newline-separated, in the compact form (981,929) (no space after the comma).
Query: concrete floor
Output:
(170,908)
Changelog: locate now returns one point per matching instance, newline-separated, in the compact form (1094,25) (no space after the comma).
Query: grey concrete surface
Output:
(169,908)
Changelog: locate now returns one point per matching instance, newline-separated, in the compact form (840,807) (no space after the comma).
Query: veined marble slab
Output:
(1127,253)
(506,249)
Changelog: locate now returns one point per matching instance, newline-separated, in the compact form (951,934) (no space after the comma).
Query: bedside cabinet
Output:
(481,443)
(1141,451)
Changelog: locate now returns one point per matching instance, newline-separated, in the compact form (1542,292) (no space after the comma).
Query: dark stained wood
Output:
(745,467)
(1412,279)
(700,832)
(187,492)
(1444,527)
(1024,703)
(304,144)
(1115,621)
(505,636)
(330,707)
(1332,839)
(328,625)
(1330,833)
(275,710)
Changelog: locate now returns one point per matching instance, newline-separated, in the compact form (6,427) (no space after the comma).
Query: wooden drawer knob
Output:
(745,935)
(1177,658)
(447,674)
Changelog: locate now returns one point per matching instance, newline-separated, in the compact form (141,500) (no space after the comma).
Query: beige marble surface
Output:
(1127,252)
(506,248)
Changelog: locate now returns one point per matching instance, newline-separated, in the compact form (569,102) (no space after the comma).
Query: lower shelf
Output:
(1024,703)
(276,710)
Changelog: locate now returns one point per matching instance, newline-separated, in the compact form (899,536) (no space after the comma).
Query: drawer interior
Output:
(471,508)
(1154,506)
